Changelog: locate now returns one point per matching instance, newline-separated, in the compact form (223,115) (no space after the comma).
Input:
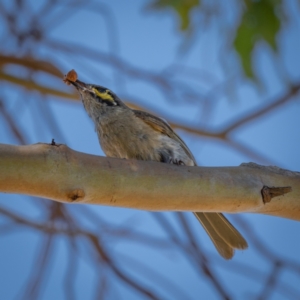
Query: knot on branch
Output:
(77,194)
(270,192)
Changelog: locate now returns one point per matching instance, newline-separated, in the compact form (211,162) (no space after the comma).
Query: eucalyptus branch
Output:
(59,173)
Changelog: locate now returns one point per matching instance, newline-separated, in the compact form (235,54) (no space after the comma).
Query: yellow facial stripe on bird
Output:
(104,95)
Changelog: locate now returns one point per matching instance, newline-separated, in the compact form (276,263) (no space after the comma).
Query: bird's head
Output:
(92,94)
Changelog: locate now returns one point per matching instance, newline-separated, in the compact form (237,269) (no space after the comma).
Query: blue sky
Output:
(150,41)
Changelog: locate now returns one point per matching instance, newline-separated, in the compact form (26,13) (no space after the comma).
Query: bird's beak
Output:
(80,86)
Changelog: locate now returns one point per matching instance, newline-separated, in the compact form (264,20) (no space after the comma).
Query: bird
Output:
(134,134)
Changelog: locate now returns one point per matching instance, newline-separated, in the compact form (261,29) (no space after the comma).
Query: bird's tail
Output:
(222,233)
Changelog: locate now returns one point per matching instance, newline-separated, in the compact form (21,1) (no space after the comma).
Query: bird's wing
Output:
(163,127)
(224,236)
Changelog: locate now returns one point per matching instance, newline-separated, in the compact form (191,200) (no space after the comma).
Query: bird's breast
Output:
(123,135)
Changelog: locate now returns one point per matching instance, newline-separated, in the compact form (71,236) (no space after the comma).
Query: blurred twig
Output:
(27,43)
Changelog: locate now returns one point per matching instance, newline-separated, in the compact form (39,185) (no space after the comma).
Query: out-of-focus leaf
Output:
(258,23)
(31,63)
(31,85)
(181,7)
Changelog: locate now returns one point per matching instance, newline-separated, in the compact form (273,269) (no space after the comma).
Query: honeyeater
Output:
(133,134)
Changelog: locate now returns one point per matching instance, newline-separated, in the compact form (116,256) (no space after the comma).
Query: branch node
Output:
(270,192)
(53,143)
(76,195)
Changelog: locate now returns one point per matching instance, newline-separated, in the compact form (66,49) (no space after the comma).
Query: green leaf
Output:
(259,23)
(181,7)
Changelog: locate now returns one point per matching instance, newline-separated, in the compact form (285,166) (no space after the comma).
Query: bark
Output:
(59,173)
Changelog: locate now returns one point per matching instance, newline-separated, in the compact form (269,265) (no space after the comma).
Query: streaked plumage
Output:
(134,134)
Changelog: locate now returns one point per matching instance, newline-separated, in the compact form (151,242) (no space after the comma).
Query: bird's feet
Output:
(175,161)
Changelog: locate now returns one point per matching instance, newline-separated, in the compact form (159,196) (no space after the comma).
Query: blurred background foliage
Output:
(225,74)
(259,22)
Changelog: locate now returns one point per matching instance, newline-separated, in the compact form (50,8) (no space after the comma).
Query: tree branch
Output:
(261,111)
(59,173)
